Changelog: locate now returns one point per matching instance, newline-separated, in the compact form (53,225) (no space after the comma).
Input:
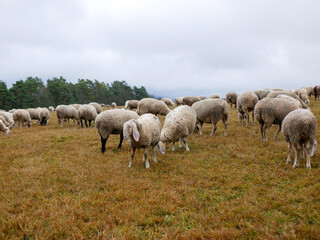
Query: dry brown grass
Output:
(55,184)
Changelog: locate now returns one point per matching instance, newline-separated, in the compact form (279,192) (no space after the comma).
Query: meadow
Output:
(56,184)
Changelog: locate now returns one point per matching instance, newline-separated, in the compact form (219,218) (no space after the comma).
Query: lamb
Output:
(178,124)
(211,111)
(245,103)
(111,122)
(151,105)
(143,132)
(168,102)
(270,111)
(178,101)
(51,109)
(303,95)
(65,112)
(274,94)
(214,96)
(299,130)
(261,93)
(190,100)
(34,113)
(231,98)
(131,104)
(4,128)
(20,116)
(97,106)
(87,113)
(113,105)
(44,116)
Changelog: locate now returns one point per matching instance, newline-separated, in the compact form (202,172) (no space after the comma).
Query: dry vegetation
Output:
(55,184)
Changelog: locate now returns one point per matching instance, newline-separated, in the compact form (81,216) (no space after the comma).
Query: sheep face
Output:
(161,147)
(8,132)
(131,128)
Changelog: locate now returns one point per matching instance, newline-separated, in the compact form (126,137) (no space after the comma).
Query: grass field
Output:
(55,184)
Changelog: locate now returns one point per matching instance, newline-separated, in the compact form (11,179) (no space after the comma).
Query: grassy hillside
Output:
(55,184)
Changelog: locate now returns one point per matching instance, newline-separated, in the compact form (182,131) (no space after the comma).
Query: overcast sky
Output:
(172,47)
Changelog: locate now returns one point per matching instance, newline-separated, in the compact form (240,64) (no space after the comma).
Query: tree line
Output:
(33,92)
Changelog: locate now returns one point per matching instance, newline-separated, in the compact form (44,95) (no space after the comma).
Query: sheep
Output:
(178,124)
(303,95)
(211,111)
(20,116)
(310,91)
(87,113)
(299,130)
(4,121)
(143,132)
(4,128)
(97,106)
(51,109)
(8,117)
(131,104)
(270,111)
(44,116)
(168,102)
(245,103)
(113,105)
(64,112)
(111,122)
(34,113)
(316,91)
(202,97)
(261,93)
(178,101)
(291,99)
(151,105)
(274,94)
(190,100)
(231,98)
(214,96)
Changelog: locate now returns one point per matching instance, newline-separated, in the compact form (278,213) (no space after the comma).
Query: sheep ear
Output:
(136,134)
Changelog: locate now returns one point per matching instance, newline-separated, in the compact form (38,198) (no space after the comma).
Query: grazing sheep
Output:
(4,128)
(303,95)
(8,117)
(231,98)
(168,102)
(190,100)
(178,124)
(245,103)
(111,122)
(261,93)
(113,105)
(34,113)
(270,111)
(20,116)
(64,113)
(97,106)
(131,104)
(44,116)
(293,95)
(178,101)
(4,121)
(202,97)
(87,113)
(143,132)
(299,130)
(310,91)
(214,96)
(51,109)
(211,111)
(316,91)
(151,105)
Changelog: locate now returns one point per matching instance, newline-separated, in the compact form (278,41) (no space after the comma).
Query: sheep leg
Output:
(90,123)
(60,122)
(214,128)
(121,139)
(180,143)
(275,136)
(20,124)
(68,122)
(145,157)
(289,153)
(103,143)
(225,127)
(199,125)
(297,155)
(85,121)
(81,123)
(247,118)
(308,162)
(132,156)
(173,146)
(261,130)
(253,118)
(185,141)
(154,154)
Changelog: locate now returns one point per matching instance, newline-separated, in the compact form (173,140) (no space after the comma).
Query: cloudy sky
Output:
(172,47)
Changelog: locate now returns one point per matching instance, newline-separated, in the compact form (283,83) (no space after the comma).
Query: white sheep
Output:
(178,101)
(4,128)
(97,106)
(151,105)
(168,102)
(21,116)
(44,115)
(65,112)
(131,104)
(88,113)
(113,105)
(178,125)
(34,113)
(231,98)
(111,122)
(8,117)
(214,96)
(189,100)
(299,130)
(245,103)
(303,95)
(262,93)
(143,132)
(274,94)
(51,109)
